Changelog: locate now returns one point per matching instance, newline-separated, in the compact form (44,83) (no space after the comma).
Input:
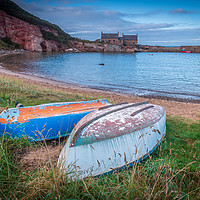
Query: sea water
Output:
(174,75)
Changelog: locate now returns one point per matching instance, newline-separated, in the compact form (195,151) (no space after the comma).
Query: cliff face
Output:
(27,35)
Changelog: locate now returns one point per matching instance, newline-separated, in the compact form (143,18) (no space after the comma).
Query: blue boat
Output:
(46,121)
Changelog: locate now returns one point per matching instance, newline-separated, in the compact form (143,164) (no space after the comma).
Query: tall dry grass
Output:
(158,177)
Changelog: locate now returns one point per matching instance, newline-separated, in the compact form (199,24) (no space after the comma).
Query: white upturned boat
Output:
(112,138)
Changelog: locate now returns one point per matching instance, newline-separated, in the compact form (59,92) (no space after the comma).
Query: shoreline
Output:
(183,108)
(6,52)
(162,95)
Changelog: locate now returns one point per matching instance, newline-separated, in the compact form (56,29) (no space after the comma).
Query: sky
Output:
(157,22)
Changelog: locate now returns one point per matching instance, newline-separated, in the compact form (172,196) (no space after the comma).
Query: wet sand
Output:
(173,107)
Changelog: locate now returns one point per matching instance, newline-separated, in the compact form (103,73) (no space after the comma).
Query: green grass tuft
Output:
(32,94)
(3,45)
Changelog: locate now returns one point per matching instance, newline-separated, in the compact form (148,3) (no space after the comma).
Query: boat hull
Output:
(47,121)
(186,51)
(94,149)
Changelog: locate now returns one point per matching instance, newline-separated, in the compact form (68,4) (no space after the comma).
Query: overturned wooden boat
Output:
(46,121)
(112,138)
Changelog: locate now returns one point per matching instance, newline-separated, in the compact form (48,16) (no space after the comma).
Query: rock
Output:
(97,47)
(130,49)
(69,50)
(27,35)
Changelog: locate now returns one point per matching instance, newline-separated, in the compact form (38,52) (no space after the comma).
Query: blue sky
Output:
(166,23)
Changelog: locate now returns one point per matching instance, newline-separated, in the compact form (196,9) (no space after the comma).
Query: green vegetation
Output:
(50,36)
(32,94)
(6,43)
(14,10)
(172,172)
(3,45)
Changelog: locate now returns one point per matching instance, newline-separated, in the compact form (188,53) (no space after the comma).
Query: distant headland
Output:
(22,30)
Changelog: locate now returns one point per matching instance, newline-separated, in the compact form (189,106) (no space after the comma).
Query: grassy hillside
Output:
(172,172)
(14,10)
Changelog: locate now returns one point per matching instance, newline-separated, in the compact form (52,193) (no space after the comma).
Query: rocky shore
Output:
(4,52)
(78,46)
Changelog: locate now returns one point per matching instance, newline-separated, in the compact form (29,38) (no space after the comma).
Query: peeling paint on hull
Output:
(119,137)
(47,121)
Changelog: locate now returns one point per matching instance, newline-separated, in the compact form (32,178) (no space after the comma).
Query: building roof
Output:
(130,37)
(109,36)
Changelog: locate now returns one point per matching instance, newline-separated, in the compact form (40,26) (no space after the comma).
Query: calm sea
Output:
(159,74)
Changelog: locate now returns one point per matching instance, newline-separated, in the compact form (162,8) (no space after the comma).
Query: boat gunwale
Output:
(9,121)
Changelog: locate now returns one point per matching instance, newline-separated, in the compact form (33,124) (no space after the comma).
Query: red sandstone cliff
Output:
(27,35)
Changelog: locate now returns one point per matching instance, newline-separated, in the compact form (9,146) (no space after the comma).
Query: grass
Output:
(6,43)
(172,172)
(32,94)
(3,45)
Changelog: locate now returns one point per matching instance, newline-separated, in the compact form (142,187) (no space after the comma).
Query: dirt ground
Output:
(43,155)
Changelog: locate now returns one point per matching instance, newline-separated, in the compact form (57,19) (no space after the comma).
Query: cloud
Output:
(31,7)
(77,19)
(146,14)
(153,26)
(181,11)
(171,37)
(86,21)
(58,2)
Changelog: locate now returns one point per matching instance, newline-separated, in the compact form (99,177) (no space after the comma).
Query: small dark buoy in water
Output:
(17,104)
(101,63)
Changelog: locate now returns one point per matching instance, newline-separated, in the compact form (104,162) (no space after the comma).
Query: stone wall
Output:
(149,48)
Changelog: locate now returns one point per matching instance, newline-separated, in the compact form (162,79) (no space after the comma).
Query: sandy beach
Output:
(173,107)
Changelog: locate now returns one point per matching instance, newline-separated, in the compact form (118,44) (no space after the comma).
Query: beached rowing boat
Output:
(46,121)
(112,138)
